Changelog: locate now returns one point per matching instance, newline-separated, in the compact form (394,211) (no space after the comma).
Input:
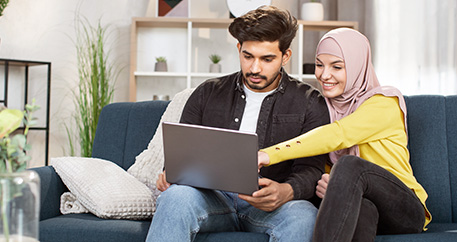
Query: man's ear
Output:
(286,56)
(239,47)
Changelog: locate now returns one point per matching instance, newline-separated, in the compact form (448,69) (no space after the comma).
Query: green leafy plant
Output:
(161,59)
(12,149)
(215,58)
(96,84)
(3,4)
(13,157)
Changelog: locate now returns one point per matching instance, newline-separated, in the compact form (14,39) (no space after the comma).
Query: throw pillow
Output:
(149,163)
(70,204)
(104,188)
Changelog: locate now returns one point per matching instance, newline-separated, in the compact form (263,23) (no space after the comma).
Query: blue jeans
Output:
(183,211)
(364,199)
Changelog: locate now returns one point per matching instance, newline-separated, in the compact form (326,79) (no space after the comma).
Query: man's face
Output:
(261,62)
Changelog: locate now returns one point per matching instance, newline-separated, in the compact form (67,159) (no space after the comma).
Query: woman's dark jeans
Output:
(363,200)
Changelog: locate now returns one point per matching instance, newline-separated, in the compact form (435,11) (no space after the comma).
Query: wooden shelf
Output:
(189,25)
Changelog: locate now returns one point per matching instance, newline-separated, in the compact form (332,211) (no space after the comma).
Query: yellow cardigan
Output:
(378,129)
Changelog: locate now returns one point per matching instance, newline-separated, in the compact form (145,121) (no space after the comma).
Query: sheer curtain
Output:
(413,41)
(415,45)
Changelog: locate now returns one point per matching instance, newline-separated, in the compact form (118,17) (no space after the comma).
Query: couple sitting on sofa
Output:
(371,188)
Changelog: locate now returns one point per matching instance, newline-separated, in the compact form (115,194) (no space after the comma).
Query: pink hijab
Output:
(361,84)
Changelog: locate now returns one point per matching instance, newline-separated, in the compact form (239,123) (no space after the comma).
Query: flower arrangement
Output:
(12,149)
(13,161)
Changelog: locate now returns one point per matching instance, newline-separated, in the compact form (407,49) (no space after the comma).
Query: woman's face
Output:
(330,71)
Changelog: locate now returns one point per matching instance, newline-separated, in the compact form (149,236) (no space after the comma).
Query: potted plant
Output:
(97,75)
(215,66)
(161,64)
(3,4)
(312,11)
(19,188)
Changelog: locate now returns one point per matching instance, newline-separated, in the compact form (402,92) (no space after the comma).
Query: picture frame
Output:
(173,8)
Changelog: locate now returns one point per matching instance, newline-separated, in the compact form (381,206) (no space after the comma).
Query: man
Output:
(260,98)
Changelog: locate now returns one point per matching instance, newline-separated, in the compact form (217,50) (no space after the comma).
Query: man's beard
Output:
(258,86)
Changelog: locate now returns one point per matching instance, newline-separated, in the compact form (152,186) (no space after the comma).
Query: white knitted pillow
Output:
(104,188)
(149,163)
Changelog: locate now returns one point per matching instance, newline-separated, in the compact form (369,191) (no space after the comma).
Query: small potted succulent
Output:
(161,64)
(215,67)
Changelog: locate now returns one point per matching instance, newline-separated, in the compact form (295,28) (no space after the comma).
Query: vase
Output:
(215,68)
(20,206)
(312,11)
(161,66)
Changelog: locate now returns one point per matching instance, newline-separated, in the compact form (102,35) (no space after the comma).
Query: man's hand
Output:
(162,183)
(272,195)
(322,184)
(263,159)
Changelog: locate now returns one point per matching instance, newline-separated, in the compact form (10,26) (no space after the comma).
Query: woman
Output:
(371,188)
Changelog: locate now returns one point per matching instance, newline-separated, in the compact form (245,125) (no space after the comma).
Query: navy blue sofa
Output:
(125,129)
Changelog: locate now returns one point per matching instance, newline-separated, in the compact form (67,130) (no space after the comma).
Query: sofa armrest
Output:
(51,187)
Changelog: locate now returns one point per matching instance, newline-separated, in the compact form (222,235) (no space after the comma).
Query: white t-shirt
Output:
(251,111)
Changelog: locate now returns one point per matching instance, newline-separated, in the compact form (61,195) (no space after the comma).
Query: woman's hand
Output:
(162,183)
(263,159)
(321,187)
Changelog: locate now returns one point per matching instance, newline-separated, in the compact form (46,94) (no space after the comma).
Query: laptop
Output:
(211,158)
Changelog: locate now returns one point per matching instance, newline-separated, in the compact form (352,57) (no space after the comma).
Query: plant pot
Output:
(215,68)
(19,206)
(312,11)
(161,97)
(161,66)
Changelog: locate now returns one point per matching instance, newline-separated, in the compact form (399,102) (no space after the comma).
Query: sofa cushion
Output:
(89,228)
(429,152)
(104,188)
(442,232)
(149,163)
(52,188)
(124,130)
(94,229)
(231,236)
(451,120)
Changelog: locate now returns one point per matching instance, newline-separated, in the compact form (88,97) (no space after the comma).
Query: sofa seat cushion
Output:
(443,227)
(231,236)
(442,232)
(74,227)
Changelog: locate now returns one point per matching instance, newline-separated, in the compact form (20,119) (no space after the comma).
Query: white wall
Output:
(44,31)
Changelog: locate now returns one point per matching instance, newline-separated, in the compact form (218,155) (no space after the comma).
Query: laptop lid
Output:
(211,158)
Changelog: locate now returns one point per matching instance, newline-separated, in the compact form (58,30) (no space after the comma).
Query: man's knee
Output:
(178,195)
(296,220)
(301,211)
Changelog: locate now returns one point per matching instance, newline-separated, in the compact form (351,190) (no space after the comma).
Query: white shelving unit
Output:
(186,43)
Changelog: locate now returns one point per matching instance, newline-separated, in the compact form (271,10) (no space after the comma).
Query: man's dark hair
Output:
(266,23)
